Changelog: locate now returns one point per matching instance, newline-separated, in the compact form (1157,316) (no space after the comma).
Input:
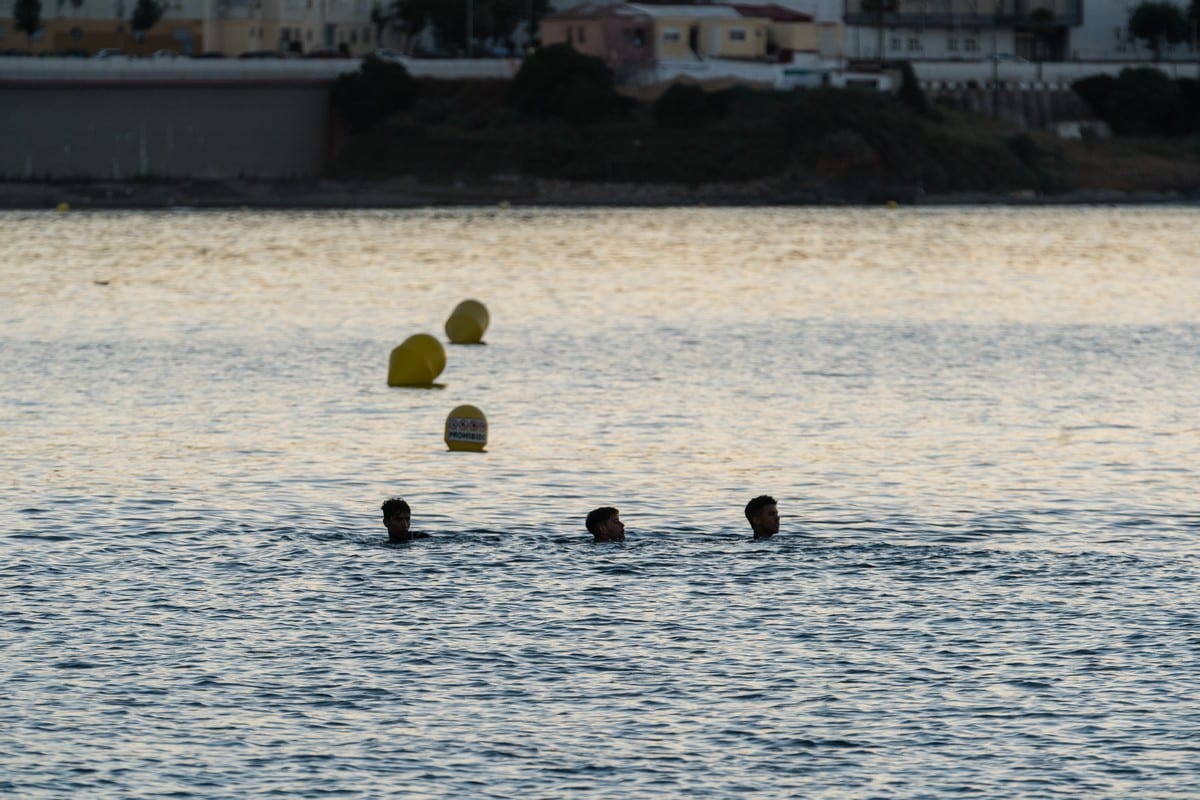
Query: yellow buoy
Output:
(64,207)
(467,322)
(417,361)
(466,429)
(892,205)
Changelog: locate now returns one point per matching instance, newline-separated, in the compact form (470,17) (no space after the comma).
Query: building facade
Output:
(191,27)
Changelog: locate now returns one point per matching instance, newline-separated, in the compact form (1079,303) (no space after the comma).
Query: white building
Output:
(1034,30)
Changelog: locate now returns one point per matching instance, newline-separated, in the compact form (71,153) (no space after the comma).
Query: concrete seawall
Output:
(163,131)
(85,119)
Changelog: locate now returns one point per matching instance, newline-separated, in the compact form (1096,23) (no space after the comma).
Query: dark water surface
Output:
(981,426)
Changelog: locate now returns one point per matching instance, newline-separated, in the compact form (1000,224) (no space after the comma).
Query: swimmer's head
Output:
(763,514)
(604,524)
(396,518)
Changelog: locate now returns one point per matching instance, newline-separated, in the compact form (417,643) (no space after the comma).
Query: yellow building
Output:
(696,32)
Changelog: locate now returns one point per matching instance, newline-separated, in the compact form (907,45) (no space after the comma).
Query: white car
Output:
(113,54)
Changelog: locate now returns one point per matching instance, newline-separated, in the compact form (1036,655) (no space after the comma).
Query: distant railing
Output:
(1055,74)
(965,13)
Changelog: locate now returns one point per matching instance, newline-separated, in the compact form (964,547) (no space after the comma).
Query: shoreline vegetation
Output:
(560,134)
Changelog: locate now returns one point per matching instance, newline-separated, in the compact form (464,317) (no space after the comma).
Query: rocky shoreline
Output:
(503,190)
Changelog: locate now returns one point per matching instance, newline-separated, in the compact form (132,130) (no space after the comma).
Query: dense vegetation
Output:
(376,91)
(1144,102)
(560,118)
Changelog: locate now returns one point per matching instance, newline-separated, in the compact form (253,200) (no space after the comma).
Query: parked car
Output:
(261,54)
(209,54)
(68,53)
(164,54)
(15,52)
(113,54)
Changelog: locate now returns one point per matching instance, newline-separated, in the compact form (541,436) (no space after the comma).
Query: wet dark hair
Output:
(394,504)
(757,504)
(599,517)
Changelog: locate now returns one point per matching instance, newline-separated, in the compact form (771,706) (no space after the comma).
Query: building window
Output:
(894,44)
(354,37)
(366,35)
(308,35)
(635,36)
(582,37)
(914,45)
(952,45)
(671,35)
(971,45)
(737,34)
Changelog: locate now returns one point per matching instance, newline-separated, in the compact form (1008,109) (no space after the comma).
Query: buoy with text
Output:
(467,322)
(466,429)
(417,361)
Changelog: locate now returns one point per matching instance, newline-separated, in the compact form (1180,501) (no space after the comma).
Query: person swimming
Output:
(397,516)
(763,514)
(604,524)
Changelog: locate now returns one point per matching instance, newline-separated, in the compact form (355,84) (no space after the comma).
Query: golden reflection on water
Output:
(1110,266)
(931,355)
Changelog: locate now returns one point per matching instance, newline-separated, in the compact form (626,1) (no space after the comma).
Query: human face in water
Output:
(397,526)
(612,531)
(766,522)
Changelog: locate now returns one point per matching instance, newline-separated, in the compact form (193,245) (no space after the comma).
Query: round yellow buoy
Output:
(466,429)
(467,322)
(417,361)
(893,205)
(64,207)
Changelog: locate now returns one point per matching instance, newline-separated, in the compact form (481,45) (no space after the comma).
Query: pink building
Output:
(616,33)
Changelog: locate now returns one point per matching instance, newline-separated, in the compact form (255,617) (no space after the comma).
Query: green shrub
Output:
(651,155)
(376,91)
(1024,148)
(682,106)
(1143,101)
(1189,105)
(747,106)
(893,132)
(550,80)
(1095,91)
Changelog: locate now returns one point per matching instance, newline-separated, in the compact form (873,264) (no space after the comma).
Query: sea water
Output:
(980,426)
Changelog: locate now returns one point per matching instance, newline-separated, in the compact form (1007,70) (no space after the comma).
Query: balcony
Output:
(1019,14)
